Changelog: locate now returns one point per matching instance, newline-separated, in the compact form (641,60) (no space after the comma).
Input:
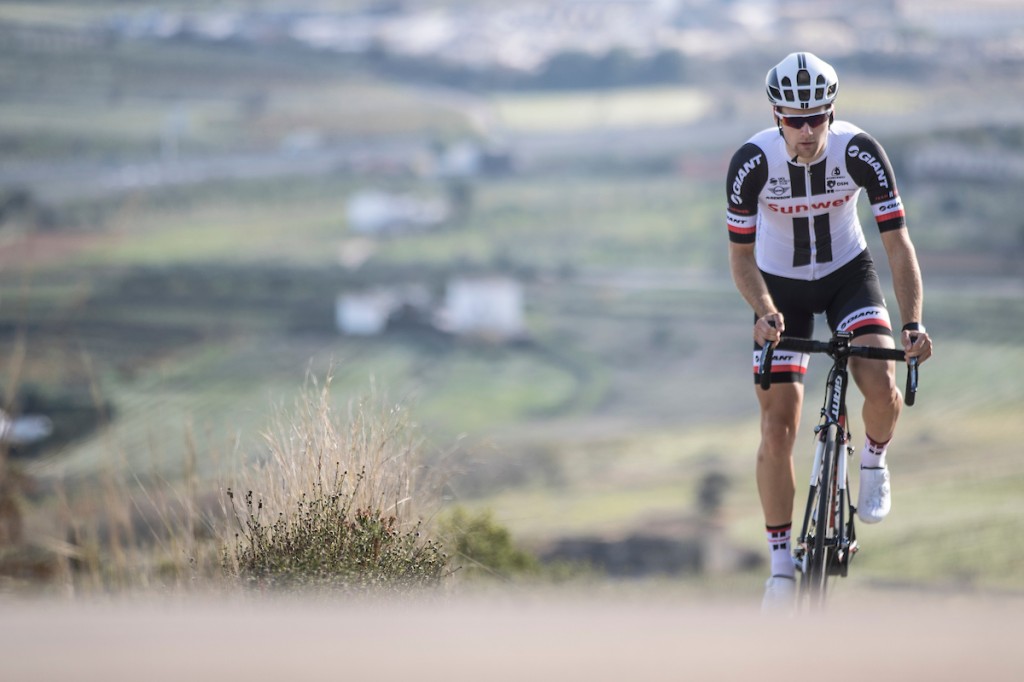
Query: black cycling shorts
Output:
(851,299)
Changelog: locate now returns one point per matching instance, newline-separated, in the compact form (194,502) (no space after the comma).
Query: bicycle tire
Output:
(821,549)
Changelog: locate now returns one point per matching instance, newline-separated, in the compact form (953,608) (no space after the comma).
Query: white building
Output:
(368,312)
(486,306)
(364,313)
(377,213)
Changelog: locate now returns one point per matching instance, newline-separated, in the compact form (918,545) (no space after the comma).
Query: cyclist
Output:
(796,249)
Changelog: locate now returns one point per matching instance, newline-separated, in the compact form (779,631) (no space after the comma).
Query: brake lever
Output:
(764,367)
(912,375)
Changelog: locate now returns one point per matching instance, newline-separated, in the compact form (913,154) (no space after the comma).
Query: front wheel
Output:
(821,535)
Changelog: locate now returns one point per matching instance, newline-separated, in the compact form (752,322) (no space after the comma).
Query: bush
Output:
(326,542)
(336,507)
(485,547)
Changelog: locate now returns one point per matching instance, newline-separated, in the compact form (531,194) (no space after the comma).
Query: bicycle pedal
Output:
(799,559)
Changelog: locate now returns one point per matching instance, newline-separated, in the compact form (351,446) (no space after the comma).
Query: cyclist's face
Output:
(803,140)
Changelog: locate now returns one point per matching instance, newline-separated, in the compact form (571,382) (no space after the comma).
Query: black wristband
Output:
(913,327)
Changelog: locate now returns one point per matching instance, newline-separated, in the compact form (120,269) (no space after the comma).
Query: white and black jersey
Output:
(802,218)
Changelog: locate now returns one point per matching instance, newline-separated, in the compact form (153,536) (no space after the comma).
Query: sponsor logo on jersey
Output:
(741,175)
(805,207)
(741,225)
(888,210)
(854,152)
(837,182)
(778,186)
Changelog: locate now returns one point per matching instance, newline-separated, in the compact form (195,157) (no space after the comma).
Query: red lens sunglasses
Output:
(797,121)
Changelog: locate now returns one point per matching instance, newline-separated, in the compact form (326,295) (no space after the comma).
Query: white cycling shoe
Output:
(779,595)
(874,497)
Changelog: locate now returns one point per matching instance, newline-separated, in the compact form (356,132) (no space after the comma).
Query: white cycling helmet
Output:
(802,81)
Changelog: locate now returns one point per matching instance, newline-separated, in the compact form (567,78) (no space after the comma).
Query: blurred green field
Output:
(597,109)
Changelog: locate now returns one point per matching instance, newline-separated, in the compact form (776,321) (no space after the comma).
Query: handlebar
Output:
(837,347)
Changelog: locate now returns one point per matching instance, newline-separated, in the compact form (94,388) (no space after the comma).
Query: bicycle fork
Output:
(845,532)
(840,526)
(800,551)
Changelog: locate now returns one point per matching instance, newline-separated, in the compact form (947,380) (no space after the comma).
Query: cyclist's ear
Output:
(778,121)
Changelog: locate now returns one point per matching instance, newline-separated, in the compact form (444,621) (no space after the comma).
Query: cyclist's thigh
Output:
(791,297)
(857,304)
(781,404)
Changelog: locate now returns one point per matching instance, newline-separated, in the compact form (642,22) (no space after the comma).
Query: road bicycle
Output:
(828,537)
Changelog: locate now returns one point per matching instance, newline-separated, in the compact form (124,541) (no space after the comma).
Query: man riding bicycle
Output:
(796,249)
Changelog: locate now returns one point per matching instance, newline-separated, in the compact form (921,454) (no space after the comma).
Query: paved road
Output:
(510,637)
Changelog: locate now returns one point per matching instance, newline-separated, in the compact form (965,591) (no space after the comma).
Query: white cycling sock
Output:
(779,546)
(873,454)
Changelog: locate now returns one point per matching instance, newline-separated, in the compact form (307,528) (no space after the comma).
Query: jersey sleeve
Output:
(748,173)
(870,168)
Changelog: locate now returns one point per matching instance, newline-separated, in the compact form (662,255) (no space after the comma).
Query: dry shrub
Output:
(334,503)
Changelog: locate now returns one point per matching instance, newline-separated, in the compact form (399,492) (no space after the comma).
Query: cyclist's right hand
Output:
(769,328)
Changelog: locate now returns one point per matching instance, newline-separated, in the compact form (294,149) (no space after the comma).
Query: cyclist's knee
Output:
(777,440)
(876,381)
(780,417)
(884,401)
(780,422)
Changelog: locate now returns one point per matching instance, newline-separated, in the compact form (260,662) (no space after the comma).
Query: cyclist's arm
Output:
(748,173)
(751,286)
(906,281)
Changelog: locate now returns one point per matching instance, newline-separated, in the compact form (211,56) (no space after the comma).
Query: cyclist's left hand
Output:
(917,344)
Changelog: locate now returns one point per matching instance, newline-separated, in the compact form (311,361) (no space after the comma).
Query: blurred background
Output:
(508,218)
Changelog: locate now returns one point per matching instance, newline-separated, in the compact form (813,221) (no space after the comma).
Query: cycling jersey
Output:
(802,218)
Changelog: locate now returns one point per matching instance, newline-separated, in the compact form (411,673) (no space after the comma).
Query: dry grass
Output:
(121,531)
(335,501)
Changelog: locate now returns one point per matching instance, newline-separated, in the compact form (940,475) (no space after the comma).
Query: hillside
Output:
(174,239)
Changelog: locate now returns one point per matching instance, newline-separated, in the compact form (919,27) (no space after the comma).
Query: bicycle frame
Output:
(828,540)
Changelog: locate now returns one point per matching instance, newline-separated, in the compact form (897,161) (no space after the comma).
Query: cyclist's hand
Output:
(917,344)
(769,328)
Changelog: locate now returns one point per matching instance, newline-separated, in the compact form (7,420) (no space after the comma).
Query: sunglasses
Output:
(798,121)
